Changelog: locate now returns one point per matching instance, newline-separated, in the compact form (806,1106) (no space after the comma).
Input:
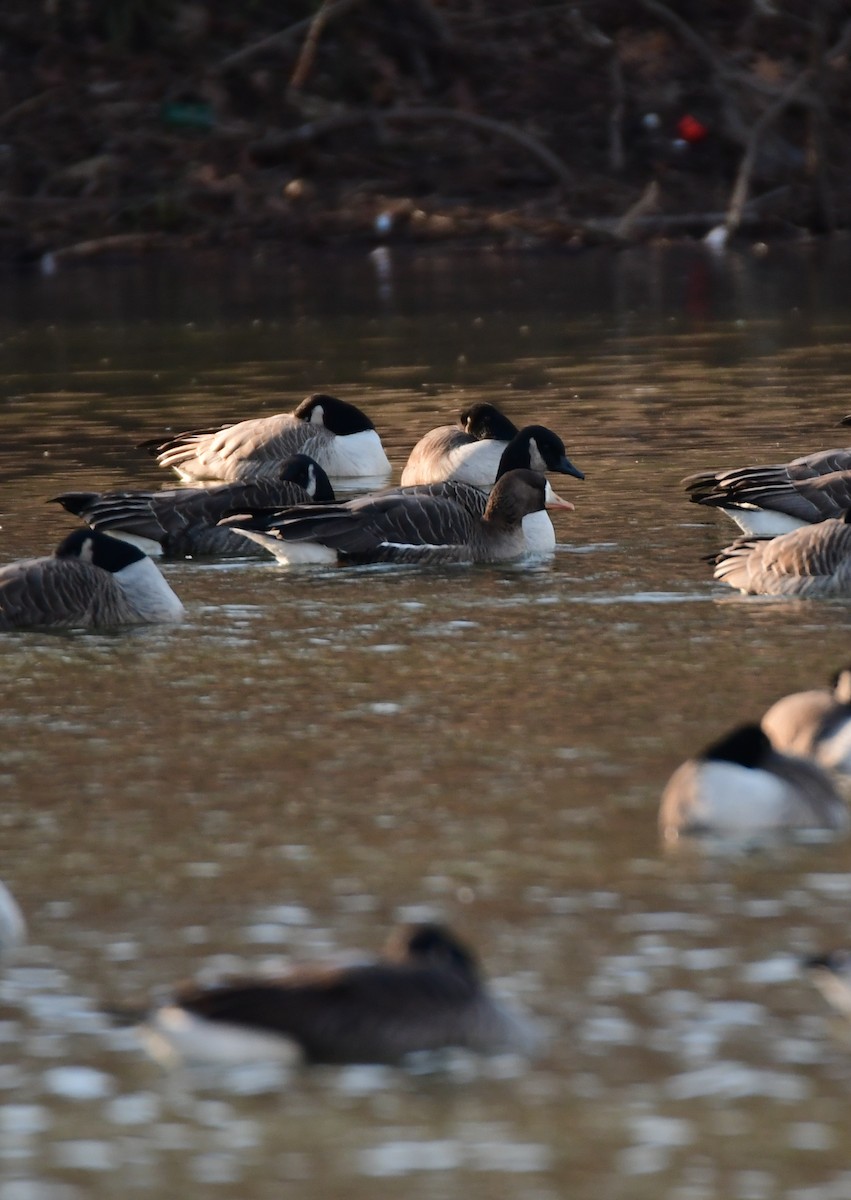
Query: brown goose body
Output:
(334,433)
(815,723)
(770,500)
(183,522)
(425,994)
(468,452)
(814,560)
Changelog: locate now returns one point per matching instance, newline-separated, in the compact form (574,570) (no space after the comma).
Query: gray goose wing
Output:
(811,559)
(814,788)
(812,499)
(243,450)
(427,461)
(51,593)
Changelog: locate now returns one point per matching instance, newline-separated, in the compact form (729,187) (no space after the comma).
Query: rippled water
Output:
(317,753)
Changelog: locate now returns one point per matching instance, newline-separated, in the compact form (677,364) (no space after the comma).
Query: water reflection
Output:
(312,752)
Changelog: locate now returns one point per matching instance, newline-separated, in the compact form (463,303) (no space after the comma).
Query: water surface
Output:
(314,754)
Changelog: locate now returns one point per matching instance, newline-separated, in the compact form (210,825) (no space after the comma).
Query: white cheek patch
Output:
(87,551)
(536,459)
(317,417)
(311,481)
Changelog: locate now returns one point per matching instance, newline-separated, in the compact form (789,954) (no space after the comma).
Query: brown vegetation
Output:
(129,123)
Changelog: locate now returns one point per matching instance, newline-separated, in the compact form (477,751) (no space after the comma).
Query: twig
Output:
(307,54)
(26,106)
(313,130)
(647,201)
(283,36)
(739,194)
(617,157)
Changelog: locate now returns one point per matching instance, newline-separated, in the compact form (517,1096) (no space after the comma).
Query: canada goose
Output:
(815,724)
(403,527)
(767,501)
(452,454)
(182,522)
(337,435)
(425,993)
(91,581)
(461,452)
(812,561)
(831,973)
(12,925)
(740,786)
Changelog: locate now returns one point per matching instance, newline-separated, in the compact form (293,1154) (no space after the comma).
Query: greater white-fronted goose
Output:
(814,560)
(404,526)
(533,441)
(426,993)
(815,724)
(183,522)
(91,581)
(13,929)
(476,460)
(741,786)
(831,974)
(468,452)
(768,501)
(340,437)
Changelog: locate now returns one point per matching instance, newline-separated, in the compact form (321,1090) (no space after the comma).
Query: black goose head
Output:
(337,416)
(538,449)
(486,422)
(431,945)
(109,553)
(746,746)
(303,470)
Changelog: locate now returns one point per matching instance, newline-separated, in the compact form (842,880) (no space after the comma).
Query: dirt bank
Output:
(127,124)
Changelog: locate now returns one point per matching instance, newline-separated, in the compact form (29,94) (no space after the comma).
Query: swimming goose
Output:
(476,460)
(767,501)
(815,724)
(741,786)
(425,993)
(403,526)
(537,527)
(461,451)
(831,973)
(182,522)
(337,435)
(12,926)
(91,581)
(812,561)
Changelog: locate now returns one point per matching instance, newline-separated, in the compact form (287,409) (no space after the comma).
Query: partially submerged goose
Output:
(450,454)
(468,452)
(426,993)
(812,561)
(91,581)
(404,527)
(815,724)
(183,522)
(340,437)
(13,929)
(768,501)
(740,786)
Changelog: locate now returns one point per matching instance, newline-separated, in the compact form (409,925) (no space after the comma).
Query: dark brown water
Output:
(315,753)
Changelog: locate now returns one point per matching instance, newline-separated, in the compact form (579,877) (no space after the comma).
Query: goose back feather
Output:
(92,581)
(814,560)
(468,452)
(815,723)
(336,434)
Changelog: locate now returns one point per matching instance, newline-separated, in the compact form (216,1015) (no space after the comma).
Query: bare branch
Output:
(275,40)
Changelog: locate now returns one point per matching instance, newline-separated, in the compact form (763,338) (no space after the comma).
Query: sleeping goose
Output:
(741,786)
(461,451)
(12,926)
(182,522)
(403,526)
(812,561)
(91,581)
(767,501)
(815,724)
(425,993)
(337,435)
(477,459)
